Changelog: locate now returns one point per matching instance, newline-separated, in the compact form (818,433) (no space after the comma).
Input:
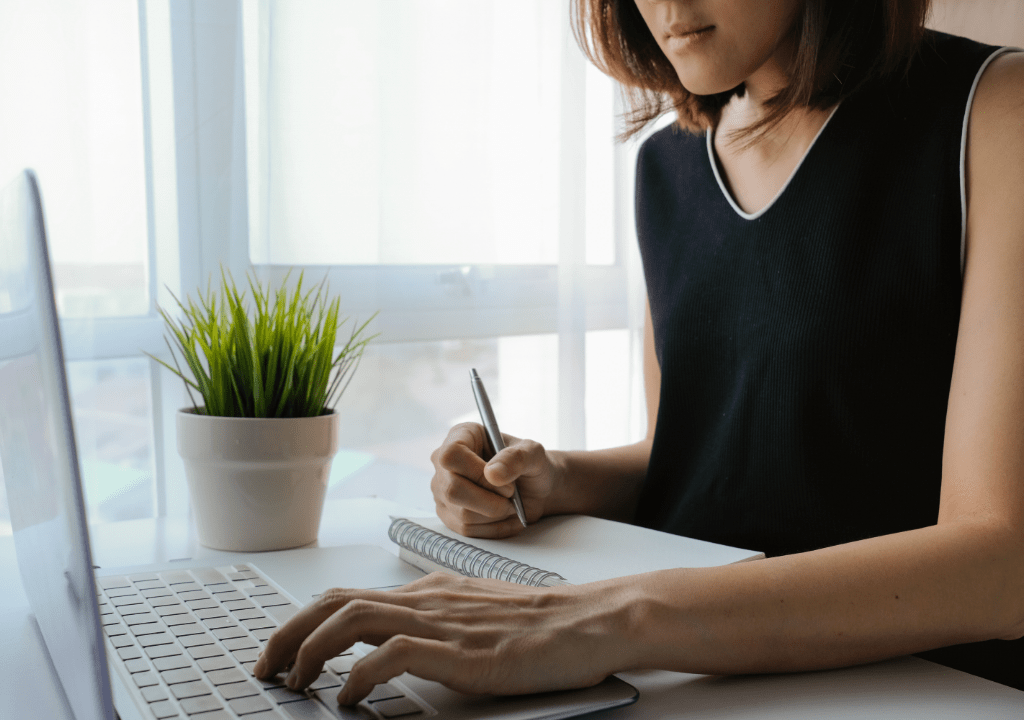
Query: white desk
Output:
(905,688)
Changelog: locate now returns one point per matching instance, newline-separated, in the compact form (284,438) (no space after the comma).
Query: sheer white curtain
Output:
(453,163)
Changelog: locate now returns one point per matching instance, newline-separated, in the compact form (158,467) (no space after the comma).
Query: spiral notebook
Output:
(558,550)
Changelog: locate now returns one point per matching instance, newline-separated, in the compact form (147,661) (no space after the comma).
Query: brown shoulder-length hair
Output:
(841,45)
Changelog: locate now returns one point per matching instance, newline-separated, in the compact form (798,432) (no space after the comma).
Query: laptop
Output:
(176,640)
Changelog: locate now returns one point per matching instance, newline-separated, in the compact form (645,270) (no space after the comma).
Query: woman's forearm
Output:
(604,483)
(838,606)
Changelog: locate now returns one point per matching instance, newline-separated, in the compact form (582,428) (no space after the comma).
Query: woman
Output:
(834,373)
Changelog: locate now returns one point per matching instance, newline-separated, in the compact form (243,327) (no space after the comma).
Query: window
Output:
(449,163)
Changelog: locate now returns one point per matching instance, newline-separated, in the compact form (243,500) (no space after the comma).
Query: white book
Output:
(557,550)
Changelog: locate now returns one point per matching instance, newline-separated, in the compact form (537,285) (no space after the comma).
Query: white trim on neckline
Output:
(728,196)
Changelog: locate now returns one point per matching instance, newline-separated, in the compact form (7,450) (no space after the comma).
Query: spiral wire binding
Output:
(464,558)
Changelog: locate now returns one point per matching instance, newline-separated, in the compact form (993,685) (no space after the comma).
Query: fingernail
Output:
(500,469)
(292,679)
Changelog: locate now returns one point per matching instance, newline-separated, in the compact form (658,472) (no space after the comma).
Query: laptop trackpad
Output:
(306,572)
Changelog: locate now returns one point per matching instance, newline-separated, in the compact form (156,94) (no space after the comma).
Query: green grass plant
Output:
(273,359)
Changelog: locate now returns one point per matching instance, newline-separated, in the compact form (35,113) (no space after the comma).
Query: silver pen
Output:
(493,434)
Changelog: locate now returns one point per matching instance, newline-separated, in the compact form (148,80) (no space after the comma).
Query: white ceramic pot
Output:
(257,483)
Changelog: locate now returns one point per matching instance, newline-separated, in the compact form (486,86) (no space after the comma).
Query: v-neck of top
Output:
(725,191)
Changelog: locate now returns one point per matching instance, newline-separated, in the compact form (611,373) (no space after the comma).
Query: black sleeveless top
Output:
(806,350)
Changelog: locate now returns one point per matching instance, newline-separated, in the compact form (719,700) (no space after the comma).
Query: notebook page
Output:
(585,549)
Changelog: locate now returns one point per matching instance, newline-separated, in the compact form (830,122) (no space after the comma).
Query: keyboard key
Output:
(192,595)
(163,601)
(238,689)
(133,609)
(245,656)
(120,592)
(181,619)
(137,665)
(201,704)
(259,624)
(145,679)
(220,589)
(234,605)
(218,662)
(240,643)
(205,651)
(113,581)
(153,584)
(176,577)
(238,576)
(129,653)
(146,629)
(154,593)
(263,634)
(170,609)
(217,623)
(326,680)
(342,664)
(131,599)
(171,663)
(190,689)
(399,707)
(180,675)
(187,587)
(226,676)
(141,577)
(271,599)
(229,632)
(282,613)
(284,695)
(210,613)
(310,710)
(229,596)
(253,614)
(383,691)
(146,617)
(121,641)
(203,604)
(242,568)
(154,693)
(163,709)
(260,590)
(162,651)
(208,576)
(155,639)
(342,712)
(246,705)
(113,629)
(196,640)
(188,629)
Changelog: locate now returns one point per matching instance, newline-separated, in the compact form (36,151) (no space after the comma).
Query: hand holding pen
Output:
(472,487)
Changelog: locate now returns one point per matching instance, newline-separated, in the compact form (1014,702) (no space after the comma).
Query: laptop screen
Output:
(38,459)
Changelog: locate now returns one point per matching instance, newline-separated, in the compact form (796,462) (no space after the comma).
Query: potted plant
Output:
(258,446)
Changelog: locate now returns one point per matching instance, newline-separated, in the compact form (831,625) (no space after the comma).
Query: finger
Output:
(492,529)
(425,658)
(525,458)
(487,503)
(284,644)
(358,621)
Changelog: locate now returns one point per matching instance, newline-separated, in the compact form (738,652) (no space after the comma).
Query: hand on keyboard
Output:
(475,636)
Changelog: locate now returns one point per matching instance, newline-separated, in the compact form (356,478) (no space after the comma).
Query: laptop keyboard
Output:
(190,638)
